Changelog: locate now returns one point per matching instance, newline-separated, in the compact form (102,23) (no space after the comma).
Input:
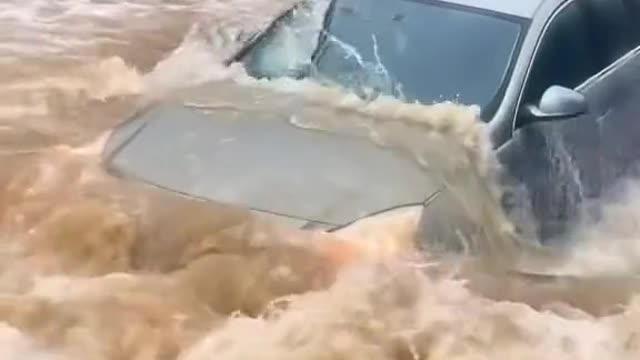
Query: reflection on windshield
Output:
(407,49)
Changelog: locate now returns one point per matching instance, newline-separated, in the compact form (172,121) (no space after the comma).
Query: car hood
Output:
(262,161)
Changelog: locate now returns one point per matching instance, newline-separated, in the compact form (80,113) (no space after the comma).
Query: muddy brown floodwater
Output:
(92,267)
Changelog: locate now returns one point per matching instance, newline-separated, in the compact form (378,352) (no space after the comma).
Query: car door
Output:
(558,165)
(618,100)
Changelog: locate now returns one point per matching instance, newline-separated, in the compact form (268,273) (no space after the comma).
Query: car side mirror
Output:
(556,103)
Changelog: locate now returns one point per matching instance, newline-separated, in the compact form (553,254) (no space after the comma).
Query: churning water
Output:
(92,267)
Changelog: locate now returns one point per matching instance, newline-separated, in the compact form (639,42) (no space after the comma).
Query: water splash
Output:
(96,268)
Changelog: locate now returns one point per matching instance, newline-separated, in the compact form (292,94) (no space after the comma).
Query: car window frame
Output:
(615,65)
(534,56)
(587,83)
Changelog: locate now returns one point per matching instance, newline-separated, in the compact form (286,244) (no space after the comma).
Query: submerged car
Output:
(557,81)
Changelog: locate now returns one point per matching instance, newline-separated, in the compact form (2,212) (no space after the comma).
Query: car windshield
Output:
(413,50)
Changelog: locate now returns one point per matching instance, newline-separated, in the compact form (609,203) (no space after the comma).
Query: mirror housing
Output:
(557,103)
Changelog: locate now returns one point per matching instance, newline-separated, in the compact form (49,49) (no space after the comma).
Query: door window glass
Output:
(565,56)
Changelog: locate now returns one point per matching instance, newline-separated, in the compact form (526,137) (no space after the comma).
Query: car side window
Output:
(632,9)
(611,29)
(565,56)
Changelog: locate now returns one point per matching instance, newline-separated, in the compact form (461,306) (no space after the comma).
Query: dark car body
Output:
(562,117)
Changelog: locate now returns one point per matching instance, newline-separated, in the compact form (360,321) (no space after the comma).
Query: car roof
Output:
(521,8)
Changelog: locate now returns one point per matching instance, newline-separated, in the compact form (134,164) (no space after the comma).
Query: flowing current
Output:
(93,267)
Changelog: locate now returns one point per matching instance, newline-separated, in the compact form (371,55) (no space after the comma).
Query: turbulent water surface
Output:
(93,267)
